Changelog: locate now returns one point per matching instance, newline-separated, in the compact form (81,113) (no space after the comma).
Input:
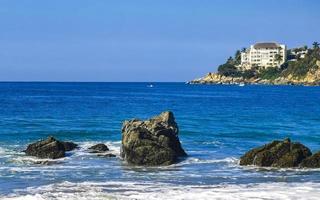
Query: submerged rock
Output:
(276,154)
(312,161)
(151,142)
(49,148)
(108,155)
(98,148)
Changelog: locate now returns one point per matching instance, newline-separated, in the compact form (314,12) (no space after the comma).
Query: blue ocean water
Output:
(218,123)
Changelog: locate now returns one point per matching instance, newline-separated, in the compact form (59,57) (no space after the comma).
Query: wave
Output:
(215,143)
(2,151)
(155,191)
(192,160)
(273,169)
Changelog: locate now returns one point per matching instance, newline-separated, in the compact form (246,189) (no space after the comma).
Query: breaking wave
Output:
(154,191)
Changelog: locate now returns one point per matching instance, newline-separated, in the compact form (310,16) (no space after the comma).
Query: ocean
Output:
(218,124)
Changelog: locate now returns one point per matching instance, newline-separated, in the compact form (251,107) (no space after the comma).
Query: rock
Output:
(276,154)
(312,161)
(151,142)
(99,148)
(49,148)
(69,146)
(108,155)
(46,162)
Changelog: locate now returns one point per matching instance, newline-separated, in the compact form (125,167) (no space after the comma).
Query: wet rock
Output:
(69,146)
(49,148)
(276,154)
(99,148)
(46,162)
(312,161)
(151,142)
(108,155)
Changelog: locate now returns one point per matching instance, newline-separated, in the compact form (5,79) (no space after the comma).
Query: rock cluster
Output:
(151,142)
(49,148)
(215,78)
(281,154)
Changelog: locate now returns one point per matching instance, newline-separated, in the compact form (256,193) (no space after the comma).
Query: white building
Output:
(299,52)
(263,55)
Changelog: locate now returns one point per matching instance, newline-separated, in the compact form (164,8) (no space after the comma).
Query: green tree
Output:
(270,73)
(250,73)
(237,57)
(230,60)
(243,49)
(228,69)
(315,45)
(278,58)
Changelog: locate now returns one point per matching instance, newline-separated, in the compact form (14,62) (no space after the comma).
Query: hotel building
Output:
(263,55)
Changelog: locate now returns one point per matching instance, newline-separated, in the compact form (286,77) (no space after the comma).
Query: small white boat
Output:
(241,84)
(150,86)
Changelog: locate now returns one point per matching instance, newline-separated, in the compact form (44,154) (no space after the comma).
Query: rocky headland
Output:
(299,71)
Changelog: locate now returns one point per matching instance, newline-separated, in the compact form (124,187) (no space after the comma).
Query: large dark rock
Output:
(276,154)
(49,148)
(312,161)
(151,142)
(69,146)
(98,148)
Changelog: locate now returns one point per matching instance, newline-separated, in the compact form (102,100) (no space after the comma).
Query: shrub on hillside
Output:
(228,69)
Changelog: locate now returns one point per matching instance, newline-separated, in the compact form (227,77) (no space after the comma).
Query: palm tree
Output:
(237,57)
(315,45)
(230,60)
(243,49)
(278,58)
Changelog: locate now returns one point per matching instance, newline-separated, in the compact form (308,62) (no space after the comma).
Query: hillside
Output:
(296,71)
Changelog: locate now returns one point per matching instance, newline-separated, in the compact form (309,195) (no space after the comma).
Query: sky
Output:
(141,40)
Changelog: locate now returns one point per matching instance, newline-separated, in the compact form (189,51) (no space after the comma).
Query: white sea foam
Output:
(2,151)
(272,169)
(215,142)
(114,146)
(154,191)
(9,152)
(192,160)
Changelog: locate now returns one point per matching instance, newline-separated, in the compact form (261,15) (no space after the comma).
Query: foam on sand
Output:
(154,191)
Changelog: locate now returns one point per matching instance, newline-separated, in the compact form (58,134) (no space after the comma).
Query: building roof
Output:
(264,45)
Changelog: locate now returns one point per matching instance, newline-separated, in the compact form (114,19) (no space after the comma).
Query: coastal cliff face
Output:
(312,77)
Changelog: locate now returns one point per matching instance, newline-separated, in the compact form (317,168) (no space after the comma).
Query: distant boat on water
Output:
(150,86)
(241,84)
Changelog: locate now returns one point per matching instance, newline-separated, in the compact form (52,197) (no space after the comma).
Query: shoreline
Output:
(217,79)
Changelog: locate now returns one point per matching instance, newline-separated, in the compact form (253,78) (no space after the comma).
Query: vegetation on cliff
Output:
(301,67)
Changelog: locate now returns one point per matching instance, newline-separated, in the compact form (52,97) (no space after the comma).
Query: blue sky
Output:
(141,40)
